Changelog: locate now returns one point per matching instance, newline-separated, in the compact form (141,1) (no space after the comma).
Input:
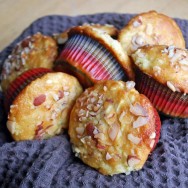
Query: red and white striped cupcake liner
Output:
(163,98)
(87,56)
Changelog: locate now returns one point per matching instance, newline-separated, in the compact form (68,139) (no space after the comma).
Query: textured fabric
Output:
(51,163)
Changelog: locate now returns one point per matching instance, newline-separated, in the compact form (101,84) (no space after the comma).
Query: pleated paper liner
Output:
(20,83)
(157,128)
(166,101)
(89,59)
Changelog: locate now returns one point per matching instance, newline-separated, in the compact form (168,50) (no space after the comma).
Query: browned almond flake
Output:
(39,100)
(133,160)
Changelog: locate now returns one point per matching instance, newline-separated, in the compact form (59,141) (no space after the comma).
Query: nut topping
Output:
(141,121)
(108,156)
(152,135)
(39,100)
(133,160)
(171,86)
(134,139)
(138,110)
(130,85)
(80,130)
(113,131)
(152,143)
(11,125)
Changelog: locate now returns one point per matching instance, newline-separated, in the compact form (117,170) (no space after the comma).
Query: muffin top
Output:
(42,108)
(108,42)
(107,28)
(166,64)
(113,127)
(34,51)
(150,28)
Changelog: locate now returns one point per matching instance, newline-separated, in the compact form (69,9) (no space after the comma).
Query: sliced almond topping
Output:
(100,136)
(93,99)
(130,85)
(152,135)
(134,139)
(81,112)
(11,125)
(152,143)
(184,61)
(95,131)
(141,121)
(55,97)
(138,110)
(108,156)
(122,116)
(113,131)
(66,93)
(60,94)
(80,130)
(133,160)
(137,23)
(149,29)
(49,81)
(171,86)
(157,70)
(105,88)
(39,100)
(92,114)
(90,129)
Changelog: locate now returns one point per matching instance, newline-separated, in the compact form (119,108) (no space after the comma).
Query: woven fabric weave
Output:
(51,163)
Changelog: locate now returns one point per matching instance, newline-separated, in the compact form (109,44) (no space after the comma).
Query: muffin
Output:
(161,75)
(150,28)
(41,109)
(113,128)
(32,52)
(92,55)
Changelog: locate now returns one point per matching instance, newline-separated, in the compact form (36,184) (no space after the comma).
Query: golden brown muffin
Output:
(42,108)
(34,51)
(150,28)
(113,128)
(92,55)
(163,70)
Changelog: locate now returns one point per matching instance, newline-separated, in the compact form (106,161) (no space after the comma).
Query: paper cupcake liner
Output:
(20,83)
(157,128)
(163,99)
(91,58)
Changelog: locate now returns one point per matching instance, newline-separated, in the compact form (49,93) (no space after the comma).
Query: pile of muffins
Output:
(89,88)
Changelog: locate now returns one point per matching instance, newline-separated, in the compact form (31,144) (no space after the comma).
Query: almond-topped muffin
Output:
(161,74)
(41,110)
(92,55)
(150,28)
(113,128)
(34,51)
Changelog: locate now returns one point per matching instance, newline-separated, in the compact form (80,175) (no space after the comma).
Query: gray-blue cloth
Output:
(51,163)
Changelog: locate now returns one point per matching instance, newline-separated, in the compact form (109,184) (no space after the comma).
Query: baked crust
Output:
(111,30)
(112,45)
(113,127)
(34,51)
(166,64)
(42,108)
(150,28)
